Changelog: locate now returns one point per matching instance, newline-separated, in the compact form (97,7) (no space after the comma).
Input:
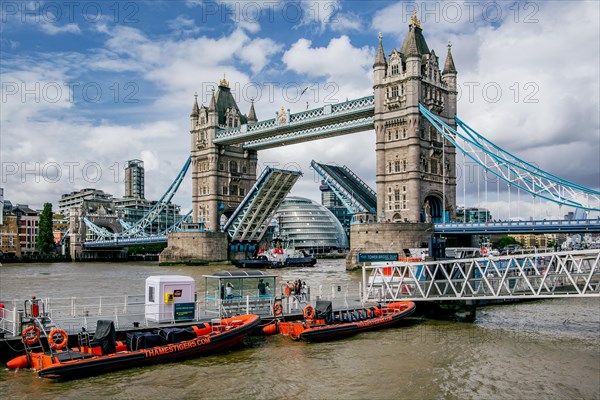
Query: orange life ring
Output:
(277,309)
(309,312)
(61,338)
(27,336)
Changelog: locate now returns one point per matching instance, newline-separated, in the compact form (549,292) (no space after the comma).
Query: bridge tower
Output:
(221,174)
(415,172)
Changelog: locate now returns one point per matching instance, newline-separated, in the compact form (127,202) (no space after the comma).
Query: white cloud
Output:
(151,160)
(346,22)
(183,26)
(258,53)
(340,63)
(52,29)
(248,25)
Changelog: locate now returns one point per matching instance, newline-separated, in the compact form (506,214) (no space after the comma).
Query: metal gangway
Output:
(528,276)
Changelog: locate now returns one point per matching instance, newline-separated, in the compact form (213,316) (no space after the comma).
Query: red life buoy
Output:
(277,309)
(31,334)
(58,338)
(309,312)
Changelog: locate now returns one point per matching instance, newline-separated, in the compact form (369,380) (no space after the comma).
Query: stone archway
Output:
(432,210)
(397,217)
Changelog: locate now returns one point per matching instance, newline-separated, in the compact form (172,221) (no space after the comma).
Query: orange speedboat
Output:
(104,354)
(322,324)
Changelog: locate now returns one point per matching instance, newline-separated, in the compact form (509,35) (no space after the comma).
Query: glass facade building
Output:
(310,226)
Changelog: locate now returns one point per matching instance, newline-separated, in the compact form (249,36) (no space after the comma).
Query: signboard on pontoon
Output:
(376,257)
(184,312)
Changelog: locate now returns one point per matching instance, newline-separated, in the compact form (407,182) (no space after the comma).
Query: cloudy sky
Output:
(87,86)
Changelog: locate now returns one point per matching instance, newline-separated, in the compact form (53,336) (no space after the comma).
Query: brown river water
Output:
(548,349)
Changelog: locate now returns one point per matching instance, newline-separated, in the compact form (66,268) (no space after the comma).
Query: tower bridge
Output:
(413,113)
(415,171)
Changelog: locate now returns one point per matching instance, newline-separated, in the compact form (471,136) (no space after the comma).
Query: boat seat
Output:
(72,355)
(337,318)
(345,316)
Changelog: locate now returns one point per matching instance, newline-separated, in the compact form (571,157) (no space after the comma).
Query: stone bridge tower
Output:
(415,175)
(221,175)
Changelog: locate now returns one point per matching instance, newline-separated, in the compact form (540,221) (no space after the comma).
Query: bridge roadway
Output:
(534,276)
(125,242)
(470,228)
(499,227)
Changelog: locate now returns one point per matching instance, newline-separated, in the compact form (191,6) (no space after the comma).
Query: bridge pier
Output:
(389,237)
(194,248)
(459,311)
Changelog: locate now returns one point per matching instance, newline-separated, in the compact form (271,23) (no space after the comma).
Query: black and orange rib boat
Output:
(104,354)
(323,324)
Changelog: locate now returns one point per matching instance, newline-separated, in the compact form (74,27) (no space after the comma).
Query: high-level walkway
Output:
(327,121)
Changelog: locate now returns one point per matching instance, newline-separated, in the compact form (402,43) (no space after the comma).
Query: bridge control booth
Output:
(229,293)
(170,298)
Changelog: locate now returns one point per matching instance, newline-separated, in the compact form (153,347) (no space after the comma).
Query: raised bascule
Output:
(413,115)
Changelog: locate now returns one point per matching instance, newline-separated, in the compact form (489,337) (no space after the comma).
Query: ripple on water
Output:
(543,349)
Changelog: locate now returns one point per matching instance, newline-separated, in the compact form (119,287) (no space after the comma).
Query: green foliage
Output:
(45,239)
(506,240)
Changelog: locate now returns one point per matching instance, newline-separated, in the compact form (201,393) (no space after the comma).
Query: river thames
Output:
(547,349)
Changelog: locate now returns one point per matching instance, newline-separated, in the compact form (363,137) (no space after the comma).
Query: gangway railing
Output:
(532,226)
(531,276)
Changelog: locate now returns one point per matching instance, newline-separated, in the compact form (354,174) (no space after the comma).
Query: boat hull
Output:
(287,263)
(335,331)
(172,352)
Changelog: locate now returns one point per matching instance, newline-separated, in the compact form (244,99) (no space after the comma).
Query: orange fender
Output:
(271,329)
(18,362)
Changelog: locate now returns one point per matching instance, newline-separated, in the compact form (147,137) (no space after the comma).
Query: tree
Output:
(45,239)
(506,240)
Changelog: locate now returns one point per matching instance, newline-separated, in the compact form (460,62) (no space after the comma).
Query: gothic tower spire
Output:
(252,114)
(195,108)
(380,58)
(449,67)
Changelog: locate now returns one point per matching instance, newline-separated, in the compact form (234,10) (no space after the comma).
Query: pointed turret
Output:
(380,58)
(195,113)
(449,67)
(212,111)
(411,44)
(414,43)
(252,114)
(212,106)
(195,109)
(449,78)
